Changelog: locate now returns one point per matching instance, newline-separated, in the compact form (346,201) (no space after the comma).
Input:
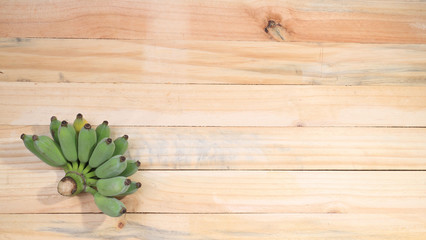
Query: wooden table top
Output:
(252,119)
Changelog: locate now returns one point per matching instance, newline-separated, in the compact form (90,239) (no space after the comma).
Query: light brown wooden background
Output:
(312,129)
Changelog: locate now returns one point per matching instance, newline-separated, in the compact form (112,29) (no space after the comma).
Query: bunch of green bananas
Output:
(92,161)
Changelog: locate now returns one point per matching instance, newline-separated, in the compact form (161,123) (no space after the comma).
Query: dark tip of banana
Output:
(127,182)
(79,115)
(53,118)
(138,185)
(122,158)
(138,163)
(64,123)
(123,210)
(125,137)
(108,141)
(35,137)
(105,122)
(22,136)
(87,126)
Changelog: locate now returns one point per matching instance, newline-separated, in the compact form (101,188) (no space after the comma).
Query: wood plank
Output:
(214,105)
(361,192)
(100,61)
(288,20)
(248,148)
(214,226)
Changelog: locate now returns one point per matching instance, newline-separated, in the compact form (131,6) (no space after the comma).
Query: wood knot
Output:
(276,31)
(120,225)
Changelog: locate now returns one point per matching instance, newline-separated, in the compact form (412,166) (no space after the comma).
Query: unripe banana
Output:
(121,145)
(103,151)
(67,140)
(29,144)
(54,127)
(134,186)
(113,186)
(86,143)
(49,149)
(79,123)
(103,131)
(131,168)
(112,168)
(110,206)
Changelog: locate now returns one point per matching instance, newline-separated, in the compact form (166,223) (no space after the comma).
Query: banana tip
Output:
(87,126)
(105,122)
(122,158)
(35,137)
(53,118)
(138,163)
(138,185)
(22,136)
(80,116)
(125,137)
(64,123)
(108,141)
(127,182)
(123,210)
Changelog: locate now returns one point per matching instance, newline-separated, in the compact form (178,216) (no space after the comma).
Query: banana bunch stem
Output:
(78,178)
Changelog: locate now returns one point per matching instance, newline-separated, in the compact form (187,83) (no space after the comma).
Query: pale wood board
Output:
(247,147)
(218,62)
(361,192)
(215,105)
(214,226)
(300,20)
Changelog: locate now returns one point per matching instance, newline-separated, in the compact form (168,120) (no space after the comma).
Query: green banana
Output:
(131,168)
(110,206)
(79,123)
(86,143)
(113,186)
(112,168)
(103,131)
(54,127)
(103,151)
(134,186)
(67,140)
(121,145)
(49,149)
(29,144)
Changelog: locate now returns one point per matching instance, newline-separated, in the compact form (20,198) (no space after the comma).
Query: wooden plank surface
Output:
(248,148)
(215,105)
(302,20)
(361,192)
(214,226)
(100,61)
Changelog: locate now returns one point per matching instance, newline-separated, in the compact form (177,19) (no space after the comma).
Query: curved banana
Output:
(79,123)
(54,127)
(103,151)
(86,143)
(131,168)
(110,206)
(49,149)
(68,141)
(103,131)
(121,145)
(113,186)
(134,186)
(112,168)
(29,144)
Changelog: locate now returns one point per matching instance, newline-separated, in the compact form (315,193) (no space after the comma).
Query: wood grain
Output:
(303,20)
(218,62)
(248,148)
(214,105)
(216,226)
(360,192)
